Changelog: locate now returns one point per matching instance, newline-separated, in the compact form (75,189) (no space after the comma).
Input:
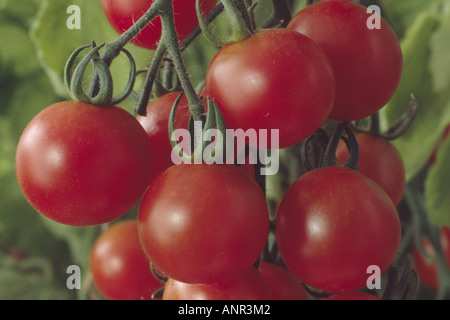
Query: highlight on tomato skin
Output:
(256,84)
(367,63)
(202,223)
(121,14)
(119,267)
(80,164)
(322,229)
(250,285)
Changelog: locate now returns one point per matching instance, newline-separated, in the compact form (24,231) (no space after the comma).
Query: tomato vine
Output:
(205,227)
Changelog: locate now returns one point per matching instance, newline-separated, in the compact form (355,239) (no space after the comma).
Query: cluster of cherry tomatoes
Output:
(203,227)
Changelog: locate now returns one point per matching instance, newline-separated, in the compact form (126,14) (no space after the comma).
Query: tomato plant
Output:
(256,84)
(155,123)
(300,222)
(121,14)
(202,223)
(380,161)
(80,164)
(120,269)
(332,224)
(367,63)
(250,285)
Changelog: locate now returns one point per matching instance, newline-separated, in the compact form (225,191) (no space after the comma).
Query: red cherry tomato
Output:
(248,286)
(202,223)
(426,267)
(282,283)
(276,79)
(80,164)
(121,14)
(367,62)
(380,161)
(120,269)
(353,296)
(332,224)
(156,123)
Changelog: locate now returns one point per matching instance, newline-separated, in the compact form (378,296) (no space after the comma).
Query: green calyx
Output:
(207,137)
(240,17)
(102,83)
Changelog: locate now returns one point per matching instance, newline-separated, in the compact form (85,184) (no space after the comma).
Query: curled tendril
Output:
(104,97)
(214,121)
(353,147)
(371,124)
(324,148)
(318,142)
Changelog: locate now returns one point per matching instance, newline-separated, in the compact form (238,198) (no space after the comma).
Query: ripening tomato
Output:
(121,14)
(367,63)
(380,161)
(119,267)
(275,80)
(282,283)
(156,124)
(332,224)
(250,285)
(202,223)
(353,296)
(426,266)
(81,164)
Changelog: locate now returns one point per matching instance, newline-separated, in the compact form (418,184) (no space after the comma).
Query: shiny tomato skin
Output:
(119,267)
(426,267)
(156,122)
(380,161)
(121,14)
(276,79)
(282,283)
(80,164)
(248,286)
(332,224)
(367,62)
(202,223)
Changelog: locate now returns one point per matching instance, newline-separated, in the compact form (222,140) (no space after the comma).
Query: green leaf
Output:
(401,14)
(422,53)
(21,227)
(437,187)
(55,42)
